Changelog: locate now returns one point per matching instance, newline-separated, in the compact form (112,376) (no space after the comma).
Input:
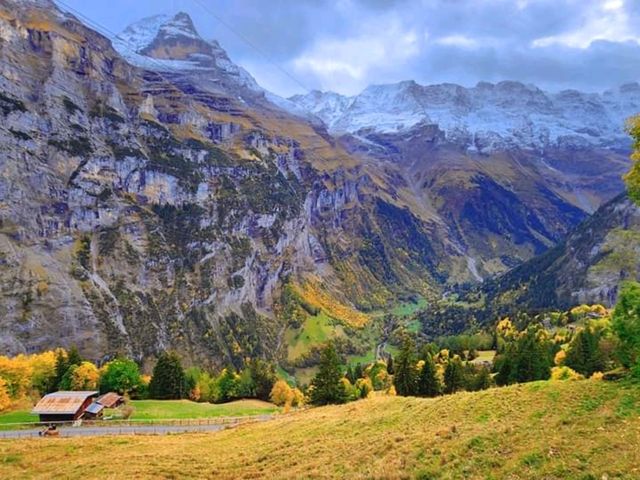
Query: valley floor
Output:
(583,430)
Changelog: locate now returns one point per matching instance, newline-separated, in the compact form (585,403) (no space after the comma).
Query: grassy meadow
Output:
(164,410)
(553,430)
(185,409)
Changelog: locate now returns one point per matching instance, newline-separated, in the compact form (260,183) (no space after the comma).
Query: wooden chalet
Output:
(110,400)
(64,406)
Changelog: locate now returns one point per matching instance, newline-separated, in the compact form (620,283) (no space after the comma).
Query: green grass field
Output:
(314,331)
(19,416)
(166,409)
(553,430)
(184,409)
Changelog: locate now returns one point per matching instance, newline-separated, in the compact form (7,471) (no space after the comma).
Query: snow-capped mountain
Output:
(172,43)
(484,118)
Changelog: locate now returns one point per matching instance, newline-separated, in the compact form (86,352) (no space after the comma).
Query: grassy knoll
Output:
(18,416)
(315,330)
(578,430)
(181,409)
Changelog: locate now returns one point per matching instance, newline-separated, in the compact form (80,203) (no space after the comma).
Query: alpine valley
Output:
(153,196)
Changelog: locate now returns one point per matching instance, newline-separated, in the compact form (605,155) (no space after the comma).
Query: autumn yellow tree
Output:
(632,178)
(282,394)
(5,399)
(17,373)
(85,377)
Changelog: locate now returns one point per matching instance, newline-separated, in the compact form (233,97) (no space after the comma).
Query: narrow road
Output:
(389,324)
(127,429)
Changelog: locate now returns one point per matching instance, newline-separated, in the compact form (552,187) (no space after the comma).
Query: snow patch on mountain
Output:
(485,117)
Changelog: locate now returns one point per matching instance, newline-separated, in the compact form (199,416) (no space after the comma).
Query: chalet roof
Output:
(109,399)
(63,403)
(94,408)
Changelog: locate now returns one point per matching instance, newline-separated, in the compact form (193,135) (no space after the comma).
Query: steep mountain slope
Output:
(144,209)
(587,267)
(510,168)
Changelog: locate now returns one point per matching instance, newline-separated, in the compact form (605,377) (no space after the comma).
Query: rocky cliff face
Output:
(144,209)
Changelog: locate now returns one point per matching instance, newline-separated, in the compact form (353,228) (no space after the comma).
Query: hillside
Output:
(587,267)
(554,430)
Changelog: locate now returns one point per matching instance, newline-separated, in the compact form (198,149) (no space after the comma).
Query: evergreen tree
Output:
(584,355)
(327,384)
(263,375)
(405,378)
(482,380)
(168,380)
(74,358)
(533,357)
(390,365)
(454,375)
(504,366)
(428,381)
(62,365)
(626,325)
(350,374)
(358,372)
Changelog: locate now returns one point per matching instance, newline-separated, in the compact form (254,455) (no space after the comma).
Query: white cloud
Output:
(607,21)
(457,41)
(345,65)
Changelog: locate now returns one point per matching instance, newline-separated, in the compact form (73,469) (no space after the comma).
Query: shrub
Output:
(565,373)
(282,394)
(5,399)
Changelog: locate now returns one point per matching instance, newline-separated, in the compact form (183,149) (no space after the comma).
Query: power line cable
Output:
(246,40)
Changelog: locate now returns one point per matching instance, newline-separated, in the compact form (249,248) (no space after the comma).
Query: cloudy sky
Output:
(345,45)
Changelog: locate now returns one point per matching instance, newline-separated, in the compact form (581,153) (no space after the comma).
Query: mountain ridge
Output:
(483,118)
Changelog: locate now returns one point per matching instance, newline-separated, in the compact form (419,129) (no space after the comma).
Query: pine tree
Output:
(454,375)
(263,375)
(584,354)
(62,365)
(350,374)
(74,358)
(626,324)
(405,378)
(327,384)
(168,380)
(428,381)
(358,372)
(482,379)
(390,365)
(533,357)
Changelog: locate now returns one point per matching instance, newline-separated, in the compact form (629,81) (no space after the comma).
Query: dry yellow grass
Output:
(312,293)
(550,430)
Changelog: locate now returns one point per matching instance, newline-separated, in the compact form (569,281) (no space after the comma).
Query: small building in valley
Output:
(110,400)
(93,411)
(64,406)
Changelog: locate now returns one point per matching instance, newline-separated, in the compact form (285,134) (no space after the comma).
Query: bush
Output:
(282,394)
(565,373)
